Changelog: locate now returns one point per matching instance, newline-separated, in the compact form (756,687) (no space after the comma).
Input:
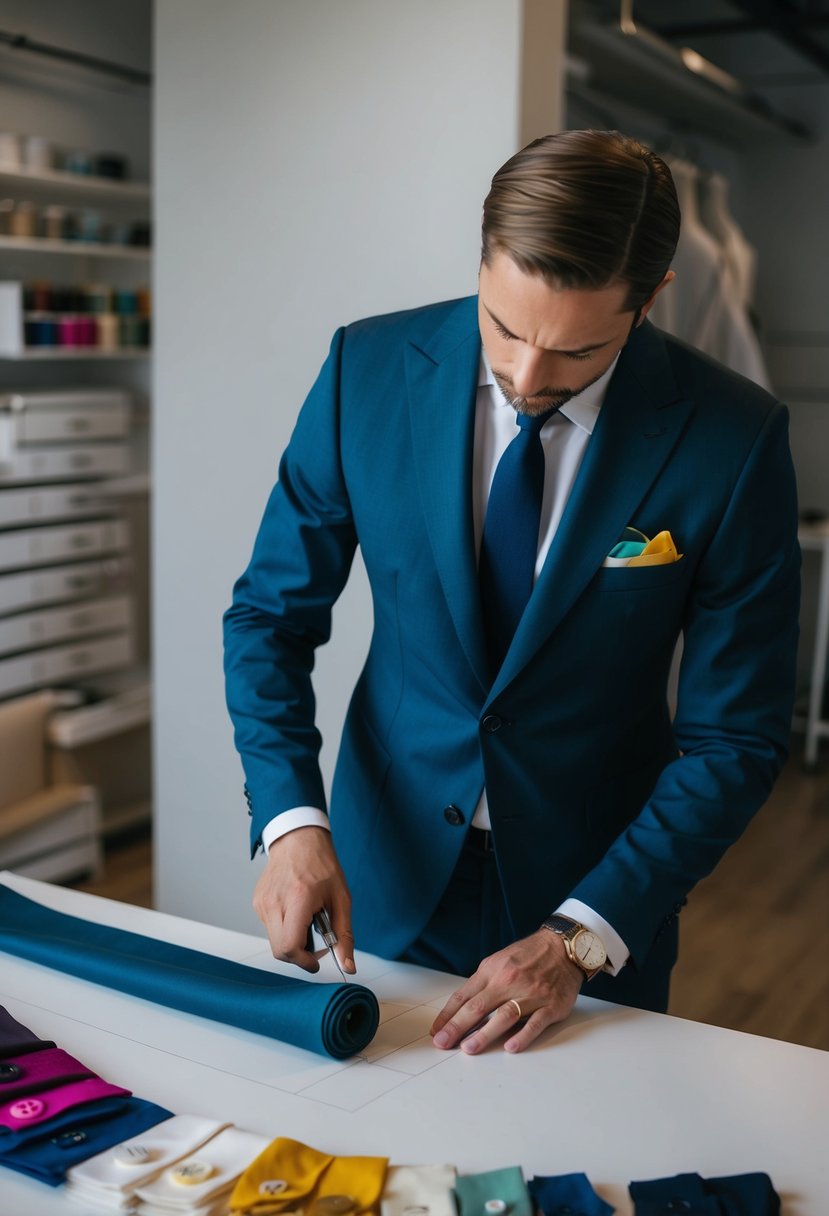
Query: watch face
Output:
(589,950)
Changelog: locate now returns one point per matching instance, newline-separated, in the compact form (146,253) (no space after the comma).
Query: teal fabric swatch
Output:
(333,1019)
(474,1191)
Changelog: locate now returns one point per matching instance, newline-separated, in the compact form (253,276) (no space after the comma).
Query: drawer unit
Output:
(34,505)
(63,583)
(29,630)
(63,463)
(42,546)
(65,664)
(68,415)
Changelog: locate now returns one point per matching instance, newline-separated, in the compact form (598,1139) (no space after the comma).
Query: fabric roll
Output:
(333,1019)
(419,1190)
(738,1195)
(484,1194)
(113,1176)
(16,1039)
(37,1070)
(567,1192)
(50,1155)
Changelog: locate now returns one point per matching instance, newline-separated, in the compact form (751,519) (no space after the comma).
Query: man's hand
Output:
(302,877)
(535,973)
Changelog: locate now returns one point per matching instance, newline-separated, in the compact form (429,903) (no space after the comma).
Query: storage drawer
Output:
(32,629)
(33,505)
(62,583)
(41,546)
(59,463)
(54,425)
(65,664)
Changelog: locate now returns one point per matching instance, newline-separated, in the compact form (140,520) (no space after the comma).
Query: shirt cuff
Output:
(616,949)
(289,821)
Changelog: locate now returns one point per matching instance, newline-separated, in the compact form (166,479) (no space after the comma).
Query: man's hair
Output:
(585,210)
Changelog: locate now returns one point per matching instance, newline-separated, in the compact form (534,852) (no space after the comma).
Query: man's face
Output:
(544,344)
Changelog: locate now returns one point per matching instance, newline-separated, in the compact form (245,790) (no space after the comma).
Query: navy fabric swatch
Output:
(691,1195)
(334,1019)
(48,1156)
(567,1193)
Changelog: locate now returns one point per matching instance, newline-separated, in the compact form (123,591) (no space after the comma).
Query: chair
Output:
(48,830)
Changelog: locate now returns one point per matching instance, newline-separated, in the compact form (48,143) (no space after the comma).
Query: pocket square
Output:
(634,548)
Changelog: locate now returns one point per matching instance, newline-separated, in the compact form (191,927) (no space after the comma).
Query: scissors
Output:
(322,924)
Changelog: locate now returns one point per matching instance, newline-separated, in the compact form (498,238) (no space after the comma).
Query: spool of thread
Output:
(78,161)
(99,298)
(22,220)
(9,150)
(86,331)
(40,330)
(6,209)
(89,225)
(145,331)
(126,303)
(37,152)
(129,331)
(107,324)
(53,222)
(111,164)
(38,297)
(143,301)
(68,330)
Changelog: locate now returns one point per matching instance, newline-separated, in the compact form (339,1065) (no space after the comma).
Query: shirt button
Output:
(8,1072)
(453,815)
(677,1205)
(132,1154)
(334,1205)
(415,1209)
(494,1206)
(492,723)
(69,1139)
(273,1186)
(27,1108)
(191,1173)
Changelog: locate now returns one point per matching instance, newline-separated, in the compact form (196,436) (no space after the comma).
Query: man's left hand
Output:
(533,974)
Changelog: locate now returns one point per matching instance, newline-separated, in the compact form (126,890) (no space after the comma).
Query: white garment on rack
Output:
(703,307)
(740,256)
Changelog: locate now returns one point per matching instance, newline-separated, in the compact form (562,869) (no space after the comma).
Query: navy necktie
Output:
(509,546)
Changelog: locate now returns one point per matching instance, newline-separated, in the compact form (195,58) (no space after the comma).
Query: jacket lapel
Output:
(442,378)
(641,420)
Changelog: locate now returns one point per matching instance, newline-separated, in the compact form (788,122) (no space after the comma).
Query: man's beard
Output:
(541,402)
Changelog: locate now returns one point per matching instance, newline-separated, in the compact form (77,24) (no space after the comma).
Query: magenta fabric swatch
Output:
(40,1107)
(38,1070)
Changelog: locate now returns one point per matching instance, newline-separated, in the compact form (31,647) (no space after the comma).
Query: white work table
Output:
(616,1093)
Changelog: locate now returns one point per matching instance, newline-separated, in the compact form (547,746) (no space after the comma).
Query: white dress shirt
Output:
(564,438)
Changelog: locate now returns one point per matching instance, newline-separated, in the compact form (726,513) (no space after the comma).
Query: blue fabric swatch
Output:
(334,1019)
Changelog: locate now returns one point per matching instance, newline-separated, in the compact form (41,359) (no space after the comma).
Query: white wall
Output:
(316,160)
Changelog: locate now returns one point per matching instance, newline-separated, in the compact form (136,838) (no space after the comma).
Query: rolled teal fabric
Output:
(334,1019)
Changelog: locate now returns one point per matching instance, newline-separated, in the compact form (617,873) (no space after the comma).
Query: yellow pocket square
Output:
(634,548)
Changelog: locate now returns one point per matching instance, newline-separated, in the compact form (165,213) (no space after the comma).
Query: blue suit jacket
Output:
(593,792)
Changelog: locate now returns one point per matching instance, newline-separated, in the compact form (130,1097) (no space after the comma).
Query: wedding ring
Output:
(512,1001)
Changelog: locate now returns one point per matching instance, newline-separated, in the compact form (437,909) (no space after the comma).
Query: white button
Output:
(495,1206)
(132,1154)
(274,1186)
(191,1173)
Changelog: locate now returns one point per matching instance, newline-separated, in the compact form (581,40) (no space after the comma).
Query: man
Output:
(508,757)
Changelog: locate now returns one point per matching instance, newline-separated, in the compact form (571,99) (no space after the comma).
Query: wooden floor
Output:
(754,950)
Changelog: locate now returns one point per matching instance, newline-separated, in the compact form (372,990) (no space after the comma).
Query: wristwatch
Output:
(583,946)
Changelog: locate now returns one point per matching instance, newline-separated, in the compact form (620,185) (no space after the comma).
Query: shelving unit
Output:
(47,354)
(40,244)
(50,182)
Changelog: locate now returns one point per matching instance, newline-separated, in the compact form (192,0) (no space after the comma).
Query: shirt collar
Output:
(582,410)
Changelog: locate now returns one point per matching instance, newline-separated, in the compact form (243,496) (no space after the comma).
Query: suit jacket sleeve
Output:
(736,693)
(281,611)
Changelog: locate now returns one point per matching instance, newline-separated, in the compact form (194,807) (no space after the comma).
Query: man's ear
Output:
(645,309)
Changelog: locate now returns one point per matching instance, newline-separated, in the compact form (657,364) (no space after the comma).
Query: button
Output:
(415,1209)
(27,1108)
(274,1186)
(8,1072)
(69,1139)
(491,723)
(191,1173)
(334,1205)
(454,815)
(132,1154)
(677,1205)
(495,1206)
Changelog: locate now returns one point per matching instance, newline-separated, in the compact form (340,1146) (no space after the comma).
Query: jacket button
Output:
(491,723)
(453,815)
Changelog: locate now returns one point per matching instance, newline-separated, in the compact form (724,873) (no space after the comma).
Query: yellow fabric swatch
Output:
(360,1179)
(282,1177)
(657,552)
